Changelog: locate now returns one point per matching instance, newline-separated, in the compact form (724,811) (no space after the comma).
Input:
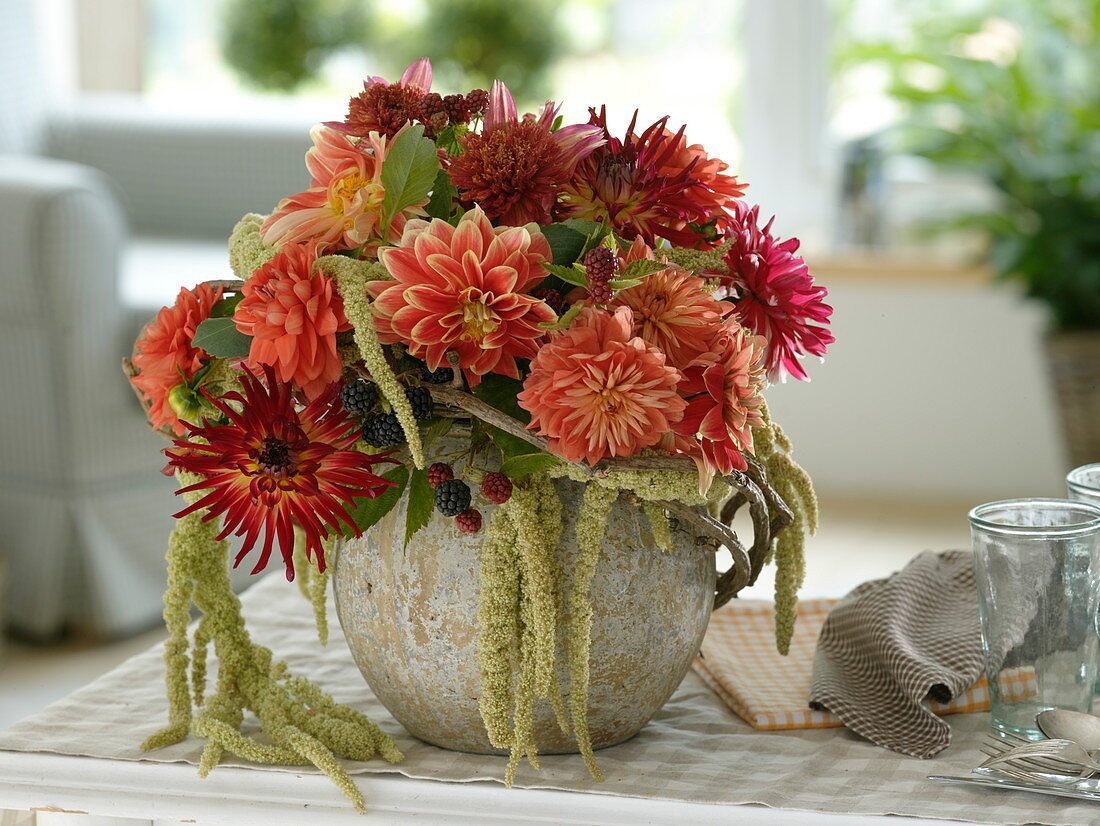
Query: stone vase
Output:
(410,616)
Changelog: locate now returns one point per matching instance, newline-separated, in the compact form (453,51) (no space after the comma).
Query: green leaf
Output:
(225,307)
(501,393)
(368,512)
(510,445)
(556,125)
(517,467)
(421,504)
(570,275)
(565,243)
(408,172)
(641,268)
(442,202)
(220,337)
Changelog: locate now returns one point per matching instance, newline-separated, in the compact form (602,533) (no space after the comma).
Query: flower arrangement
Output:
(567,302)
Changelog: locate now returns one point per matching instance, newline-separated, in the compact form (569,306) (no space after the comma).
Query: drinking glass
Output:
(1084,484)
(1037,566)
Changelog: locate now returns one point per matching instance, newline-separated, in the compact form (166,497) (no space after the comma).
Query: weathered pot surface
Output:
(410,616)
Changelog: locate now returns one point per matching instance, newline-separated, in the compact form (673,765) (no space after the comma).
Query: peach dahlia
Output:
(464,288)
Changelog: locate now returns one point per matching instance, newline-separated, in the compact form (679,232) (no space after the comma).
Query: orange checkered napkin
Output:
(739,662)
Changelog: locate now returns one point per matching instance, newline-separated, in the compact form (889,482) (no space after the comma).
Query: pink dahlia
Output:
(597,390)
(673,311)
(165,356)
(342,208)
(652,186)
(775,295)
(514,169)
(723,391)
(463,288)
(293,314)
(386,107)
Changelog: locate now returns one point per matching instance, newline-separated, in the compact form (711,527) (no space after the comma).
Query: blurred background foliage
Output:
(1008,91)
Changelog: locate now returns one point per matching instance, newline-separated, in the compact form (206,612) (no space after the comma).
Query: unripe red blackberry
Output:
(456,108)
(440,472)
(554,300)
(477,101)
(601,265)
(469,521)
(452,497)
(429,105)
(496,487)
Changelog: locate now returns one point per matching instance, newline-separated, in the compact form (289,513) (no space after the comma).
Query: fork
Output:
(995,746)
(1065,751)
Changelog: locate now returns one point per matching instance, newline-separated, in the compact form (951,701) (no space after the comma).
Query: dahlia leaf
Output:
(501,393)
(408,172)
(517,467)
(220,337)
(565,243)
(442,202)
(637,270)
(570,275)
(368,512)
(421,504)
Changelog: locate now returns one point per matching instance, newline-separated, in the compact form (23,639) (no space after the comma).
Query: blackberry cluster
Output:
(477,102)
(456,108)
(469,521)
(439,472)
(383,430)
(601,266)
(420,399)
(496,487)
(554,300)
(444,375)
(452,497)
(358,397)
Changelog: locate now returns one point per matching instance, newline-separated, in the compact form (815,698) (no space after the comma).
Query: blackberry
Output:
(429,105)
(469,521)
(383,430)
(420,399)
(358,397)
(456,108)
(496,487)
(452,497)
(552,297)
(477,101)
(601,265)
(444,375)
(439,472)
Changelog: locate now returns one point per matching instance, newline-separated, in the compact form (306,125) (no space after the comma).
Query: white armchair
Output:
(84,511)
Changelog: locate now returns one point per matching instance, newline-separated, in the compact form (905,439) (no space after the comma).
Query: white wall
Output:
(932,390)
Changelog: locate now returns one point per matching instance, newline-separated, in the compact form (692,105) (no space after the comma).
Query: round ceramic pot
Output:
(410,616)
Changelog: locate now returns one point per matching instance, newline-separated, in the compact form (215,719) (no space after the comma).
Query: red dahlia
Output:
(274,467)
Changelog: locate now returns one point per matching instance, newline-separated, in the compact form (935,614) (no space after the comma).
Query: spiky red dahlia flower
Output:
(165,356)
(515,168)
(386,107)
(464,288)
(723,391)
(652,186)
(775,295)
(673,310)
(597,390)
(293,314)
(273,468)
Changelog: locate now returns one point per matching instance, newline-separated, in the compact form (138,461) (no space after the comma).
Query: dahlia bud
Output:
(188,403)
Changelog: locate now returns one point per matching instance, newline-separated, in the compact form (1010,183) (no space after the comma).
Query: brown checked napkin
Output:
(893,643)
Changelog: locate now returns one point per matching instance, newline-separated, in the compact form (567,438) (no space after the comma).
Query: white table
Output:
(85,791)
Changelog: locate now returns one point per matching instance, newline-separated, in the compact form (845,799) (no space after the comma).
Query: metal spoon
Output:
(1081,728)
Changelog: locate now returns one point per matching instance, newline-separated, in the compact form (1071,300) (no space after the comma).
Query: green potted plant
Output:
(1008,92)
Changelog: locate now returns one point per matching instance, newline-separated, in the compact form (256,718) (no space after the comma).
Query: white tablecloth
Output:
(694,750)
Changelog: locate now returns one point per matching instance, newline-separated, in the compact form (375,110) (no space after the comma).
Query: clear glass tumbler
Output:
(1037,566)
(1084,484)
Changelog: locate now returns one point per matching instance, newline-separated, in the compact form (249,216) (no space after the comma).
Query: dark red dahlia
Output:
(653,185)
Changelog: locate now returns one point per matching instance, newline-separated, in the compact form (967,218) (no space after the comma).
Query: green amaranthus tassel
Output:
(305,725)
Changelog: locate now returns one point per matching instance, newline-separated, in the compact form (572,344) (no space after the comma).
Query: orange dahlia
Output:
(165,356)
(597,390)
(274,467)
(463,288)
(293,314)
(673,310)
(652,185)
(723,393)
